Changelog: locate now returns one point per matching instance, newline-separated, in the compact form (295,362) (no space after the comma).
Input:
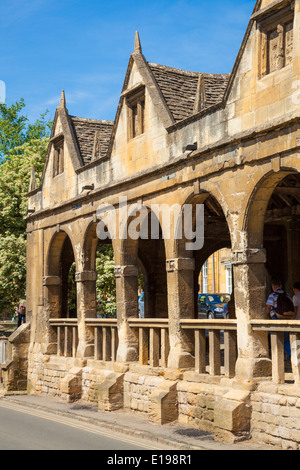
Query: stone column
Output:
(52,308)
(180,280)
(250,298)
(86,308)
(127,306)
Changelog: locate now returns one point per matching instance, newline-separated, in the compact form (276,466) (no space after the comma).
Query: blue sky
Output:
(83,46)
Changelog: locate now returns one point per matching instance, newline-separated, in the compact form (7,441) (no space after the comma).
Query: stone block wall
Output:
(276,415)
(196,403)
(138,389)
(274,410)
(47,380)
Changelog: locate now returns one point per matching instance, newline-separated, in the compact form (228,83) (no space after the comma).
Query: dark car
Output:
(212,306)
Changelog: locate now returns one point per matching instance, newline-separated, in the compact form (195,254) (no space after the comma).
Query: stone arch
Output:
(89,243)
(216,233)
(146,254)
(60,261)
(54,251)
(213,210)
(273,213)
(258,202)
(87,277)
(268,238)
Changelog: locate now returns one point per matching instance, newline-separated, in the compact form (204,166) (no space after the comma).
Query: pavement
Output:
(174,435)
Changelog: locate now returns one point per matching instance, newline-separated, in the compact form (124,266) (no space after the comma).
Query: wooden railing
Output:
(215,345)
(214,341)
(67,336)
(153,334)
(105,338)
(281,368)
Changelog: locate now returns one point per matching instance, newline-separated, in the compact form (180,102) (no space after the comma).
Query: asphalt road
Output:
(26,429)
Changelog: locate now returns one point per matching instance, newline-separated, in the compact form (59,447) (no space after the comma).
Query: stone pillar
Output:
(250,298)
(52,307)
(180,280)
(127,306)
(86,308)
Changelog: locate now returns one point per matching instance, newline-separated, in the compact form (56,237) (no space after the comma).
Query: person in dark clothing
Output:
(21,313)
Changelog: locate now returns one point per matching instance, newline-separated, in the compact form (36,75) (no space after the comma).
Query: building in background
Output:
(216,274)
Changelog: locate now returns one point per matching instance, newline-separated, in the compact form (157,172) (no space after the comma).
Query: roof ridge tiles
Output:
(187,72)
(97,121)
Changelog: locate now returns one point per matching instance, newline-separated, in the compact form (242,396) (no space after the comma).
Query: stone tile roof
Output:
(86,131)
(181,89)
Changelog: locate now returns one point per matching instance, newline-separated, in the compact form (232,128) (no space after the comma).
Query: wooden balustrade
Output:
(276,330)
(67,336)
(105,338)
(213,336)
(153,337)
(215,344)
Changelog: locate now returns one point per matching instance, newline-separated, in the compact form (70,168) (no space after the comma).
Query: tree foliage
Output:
(22,146)
(15,129)
(106,282)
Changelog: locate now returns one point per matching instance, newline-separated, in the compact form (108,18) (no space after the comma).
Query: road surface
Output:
(23,428)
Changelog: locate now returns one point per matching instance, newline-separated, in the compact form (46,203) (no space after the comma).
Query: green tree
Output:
(22,146)
(106,282)
(15,129)
(14,183)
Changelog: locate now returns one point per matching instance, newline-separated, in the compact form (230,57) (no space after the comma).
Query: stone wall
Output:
(196,404)
(138,389)
(276,415)
(196,400)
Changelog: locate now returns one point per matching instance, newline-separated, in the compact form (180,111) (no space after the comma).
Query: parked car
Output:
(212,306)
(141,305)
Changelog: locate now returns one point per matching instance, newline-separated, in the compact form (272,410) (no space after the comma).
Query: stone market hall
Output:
(229,143)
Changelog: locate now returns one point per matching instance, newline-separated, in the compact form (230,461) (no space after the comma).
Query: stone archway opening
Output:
(215,286)
(99,286)
(269,248)
(144,249)
(281,232)
(216,236)
(60,278)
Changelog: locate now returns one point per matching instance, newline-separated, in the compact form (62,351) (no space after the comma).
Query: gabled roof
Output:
(187,92)
(86,132)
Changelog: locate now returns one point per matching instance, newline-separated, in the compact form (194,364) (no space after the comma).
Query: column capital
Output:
(180,264)
(126,270)
(51,281)
(248,256)
(85,276)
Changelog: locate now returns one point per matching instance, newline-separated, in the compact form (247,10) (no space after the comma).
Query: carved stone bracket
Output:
(180,264)
(127,270)
(248,256)
(51,281)
(86,276)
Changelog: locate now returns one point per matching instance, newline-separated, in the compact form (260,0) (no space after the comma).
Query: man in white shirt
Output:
(296,300)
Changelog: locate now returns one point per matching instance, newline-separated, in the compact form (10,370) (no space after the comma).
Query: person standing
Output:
(280,306)
(21,313)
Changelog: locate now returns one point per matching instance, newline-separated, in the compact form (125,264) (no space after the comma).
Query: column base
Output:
(253,367)
(180,360)
(127,354)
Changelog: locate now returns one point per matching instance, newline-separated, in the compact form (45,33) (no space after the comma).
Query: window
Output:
(228,269)
(136,108)
(58,159)
(204,277)
(276,41)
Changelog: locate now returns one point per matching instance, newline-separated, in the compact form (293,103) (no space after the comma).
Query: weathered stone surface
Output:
(227,142)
